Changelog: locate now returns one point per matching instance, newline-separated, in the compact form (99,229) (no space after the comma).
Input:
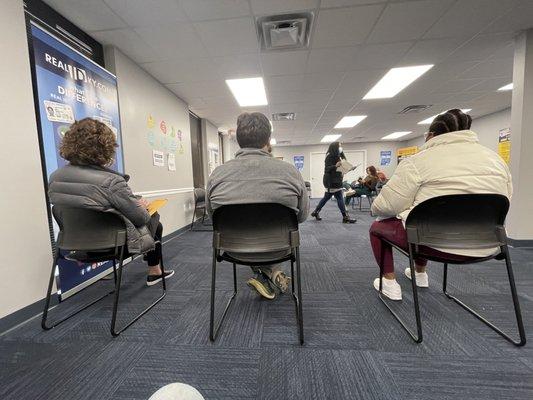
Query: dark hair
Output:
(373,170)
(333,149)
(450,121)
(88,142)
(253,130)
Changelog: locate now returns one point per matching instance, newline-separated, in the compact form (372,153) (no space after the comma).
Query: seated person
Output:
(451,162)
(254,176)
(364,186)
(86,182)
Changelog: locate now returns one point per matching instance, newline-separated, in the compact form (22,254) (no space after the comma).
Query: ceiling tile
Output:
(431,51)
(228,37)
(88,15)
(343,3)
(191,90)
(188,70)
(322,81)
(500,67)
(199,10)
(482,47)
(357,83)
(129,42)
(284,83)
(379,55)
(407,21)
(344,26)
(239,66)
(139,13)
(458,85)
(173,41)
(468,17)
(331,60)
(516,19)
(260,7)
(284,63)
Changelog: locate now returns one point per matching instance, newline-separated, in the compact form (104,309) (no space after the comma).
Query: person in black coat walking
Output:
(333,182)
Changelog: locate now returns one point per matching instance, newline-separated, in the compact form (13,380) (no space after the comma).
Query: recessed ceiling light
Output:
(395,81)
(272,141)
(248,92)
(395,135)
(429,120)
(330,138)
(506,88)
(349,121)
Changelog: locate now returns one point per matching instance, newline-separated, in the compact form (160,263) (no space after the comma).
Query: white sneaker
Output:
(422,279)
(391,288)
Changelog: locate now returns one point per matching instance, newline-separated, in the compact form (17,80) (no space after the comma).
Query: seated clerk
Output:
(86,182)
(254,176)
(451,162)
(365,186)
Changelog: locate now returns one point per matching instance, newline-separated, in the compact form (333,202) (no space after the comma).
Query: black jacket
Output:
(332,178)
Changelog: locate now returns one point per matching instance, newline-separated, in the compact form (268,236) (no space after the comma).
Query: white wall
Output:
(373,150)
(141,96)
(24,237)
(210,144)
(230,146)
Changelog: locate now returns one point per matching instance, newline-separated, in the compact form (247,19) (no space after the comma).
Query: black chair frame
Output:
(414,252)
(293,257)
(116,253)
(199,192)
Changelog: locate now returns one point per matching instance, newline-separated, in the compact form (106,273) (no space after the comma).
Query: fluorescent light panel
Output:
(395,81)
(506,88)
(429,120)
(330,138)
(349,121)
(396,135)
(248,92)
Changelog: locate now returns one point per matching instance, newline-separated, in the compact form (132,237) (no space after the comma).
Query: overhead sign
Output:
(71,87)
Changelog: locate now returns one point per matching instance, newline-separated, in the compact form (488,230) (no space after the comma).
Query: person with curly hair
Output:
(87,182)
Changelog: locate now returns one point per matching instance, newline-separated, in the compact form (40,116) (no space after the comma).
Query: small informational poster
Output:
(504,144)
(385,157)
(299,163)
(158,158)
(171,161)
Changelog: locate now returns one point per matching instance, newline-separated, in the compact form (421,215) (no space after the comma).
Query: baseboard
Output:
(34,310)
(519,243)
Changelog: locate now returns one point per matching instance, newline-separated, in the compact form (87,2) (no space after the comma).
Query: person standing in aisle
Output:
(333,182)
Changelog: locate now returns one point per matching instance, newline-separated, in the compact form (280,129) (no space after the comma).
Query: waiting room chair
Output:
(90,236)
(199,204)
(468,221)
(308,187)
(255,235)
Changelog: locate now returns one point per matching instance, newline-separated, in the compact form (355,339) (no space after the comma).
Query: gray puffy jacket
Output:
(101,189)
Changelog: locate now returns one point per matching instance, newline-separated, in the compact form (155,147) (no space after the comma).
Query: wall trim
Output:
(162,192)
(519,242)
(20,317)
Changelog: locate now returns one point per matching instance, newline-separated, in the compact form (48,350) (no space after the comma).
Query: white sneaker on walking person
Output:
(391,288)
(422,279)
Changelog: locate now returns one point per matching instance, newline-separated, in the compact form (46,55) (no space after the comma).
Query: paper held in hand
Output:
(345,167)
(155,205)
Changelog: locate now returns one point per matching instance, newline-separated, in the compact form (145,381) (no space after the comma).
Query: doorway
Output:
(196,151)
(354,157)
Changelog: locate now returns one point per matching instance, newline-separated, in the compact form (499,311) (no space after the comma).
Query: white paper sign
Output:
(159,158)
(171,161)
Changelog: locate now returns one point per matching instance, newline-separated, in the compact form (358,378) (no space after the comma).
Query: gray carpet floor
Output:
(354,348)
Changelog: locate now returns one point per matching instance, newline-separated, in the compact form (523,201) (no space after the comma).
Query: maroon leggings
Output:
(392,230)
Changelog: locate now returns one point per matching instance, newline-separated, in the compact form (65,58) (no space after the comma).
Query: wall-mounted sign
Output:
(406,152)
(385,157)
(299,163)
(504,144)
(158,158)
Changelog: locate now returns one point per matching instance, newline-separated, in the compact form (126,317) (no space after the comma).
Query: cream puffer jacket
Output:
(452,163)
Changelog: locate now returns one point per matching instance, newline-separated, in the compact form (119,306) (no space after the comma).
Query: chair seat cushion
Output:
(258,258)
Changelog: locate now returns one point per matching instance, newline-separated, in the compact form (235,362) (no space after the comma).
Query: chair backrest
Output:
(199,195)
(88,230)
(255,228)
(308,185)
(462,221)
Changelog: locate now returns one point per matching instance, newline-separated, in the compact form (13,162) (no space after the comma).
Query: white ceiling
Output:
(192,46)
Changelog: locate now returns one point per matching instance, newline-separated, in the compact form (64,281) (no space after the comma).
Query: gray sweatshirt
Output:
(254,176)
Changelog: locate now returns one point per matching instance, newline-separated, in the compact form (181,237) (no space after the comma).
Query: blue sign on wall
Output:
(385,157)
(299,163)
(71,87)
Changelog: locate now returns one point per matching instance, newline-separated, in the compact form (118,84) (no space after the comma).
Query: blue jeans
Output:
(338,196)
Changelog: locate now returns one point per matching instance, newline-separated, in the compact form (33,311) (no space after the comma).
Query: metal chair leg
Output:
(193,215)
(44,324)
(213,331)
(114,331)
(298,299)
(417,338)
(516,304)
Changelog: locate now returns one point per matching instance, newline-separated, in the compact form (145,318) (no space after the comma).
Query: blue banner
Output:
(71,87)
(385,157)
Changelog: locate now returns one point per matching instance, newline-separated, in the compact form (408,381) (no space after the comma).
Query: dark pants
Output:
(153,257)
(392,230)
(329,195)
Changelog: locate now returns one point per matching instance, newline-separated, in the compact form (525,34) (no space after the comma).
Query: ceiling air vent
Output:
(414,109)
(284,116)
(284,32)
